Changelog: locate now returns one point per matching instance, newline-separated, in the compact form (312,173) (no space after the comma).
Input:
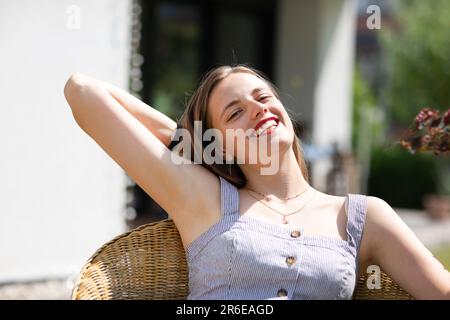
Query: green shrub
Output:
(400,178)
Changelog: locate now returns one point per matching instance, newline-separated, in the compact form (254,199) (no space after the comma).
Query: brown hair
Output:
(197,110)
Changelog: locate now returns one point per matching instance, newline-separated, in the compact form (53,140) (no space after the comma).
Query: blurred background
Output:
(353,73)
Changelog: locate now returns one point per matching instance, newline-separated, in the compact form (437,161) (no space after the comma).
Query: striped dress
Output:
(242,257)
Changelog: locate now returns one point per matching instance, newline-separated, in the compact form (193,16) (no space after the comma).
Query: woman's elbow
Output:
(74,90)
(74,82)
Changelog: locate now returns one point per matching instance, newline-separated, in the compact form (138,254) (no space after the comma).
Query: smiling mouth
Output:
(266,128)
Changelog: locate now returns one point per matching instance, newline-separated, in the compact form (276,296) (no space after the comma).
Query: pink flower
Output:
(427,116)
(447,118)
(430,133)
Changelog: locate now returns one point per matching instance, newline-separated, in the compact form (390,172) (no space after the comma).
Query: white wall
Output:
(333,92)
(61,196)
(314,59)
(296,55)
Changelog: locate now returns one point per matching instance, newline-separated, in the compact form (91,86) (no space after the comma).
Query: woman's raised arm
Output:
(177,187)
(158,123)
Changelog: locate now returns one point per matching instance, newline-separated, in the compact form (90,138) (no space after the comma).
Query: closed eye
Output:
(263,98)
(235,114)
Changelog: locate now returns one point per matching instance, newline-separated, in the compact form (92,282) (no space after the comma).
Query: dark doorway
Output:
(181,40)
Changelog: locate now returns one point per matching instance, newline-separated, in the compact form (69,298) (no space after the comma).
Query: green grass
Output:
(443,255)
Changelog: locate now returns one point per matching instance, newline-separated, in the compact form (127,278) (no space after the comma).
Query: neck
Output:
(286,182)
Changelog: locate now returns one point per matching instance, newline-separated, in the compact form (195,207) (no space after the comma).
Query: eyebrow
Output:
(233,102)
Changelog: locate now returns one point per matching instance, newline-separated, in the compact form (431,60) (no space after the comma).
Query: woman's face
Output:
(241,101)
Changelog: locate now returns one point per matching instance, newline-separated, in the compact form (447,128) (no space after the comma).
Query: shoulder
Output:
(379,213)
(378,216)
(382,224)
(376,204)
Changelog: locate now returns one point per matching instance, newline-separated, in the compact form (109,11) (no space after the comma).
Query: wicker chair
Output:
(149,263)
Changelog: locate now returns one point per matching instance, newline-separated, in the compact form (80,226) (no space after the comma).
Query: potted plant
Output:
(431,133)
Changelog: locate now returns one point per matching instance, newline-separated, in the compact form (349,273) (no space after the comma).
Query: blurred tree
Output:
(367,124)
(418,55)
(363,99)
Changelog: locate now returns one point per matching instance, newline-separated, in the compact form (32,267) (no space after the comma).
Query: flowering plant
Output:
(431,132)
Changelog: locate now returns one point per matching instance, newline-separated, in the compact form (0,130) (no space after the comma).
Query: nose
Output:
(258,109)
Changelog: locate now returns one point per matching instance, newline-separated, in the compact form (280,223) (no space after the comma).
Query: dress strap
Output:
(229,198)
(356,207)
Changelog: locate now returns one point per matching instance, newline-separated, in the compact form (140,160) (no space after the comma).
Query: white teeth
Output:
(266,125)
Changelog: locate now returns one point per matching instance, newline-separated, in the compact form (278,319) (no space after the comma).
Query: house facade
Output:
(63,196)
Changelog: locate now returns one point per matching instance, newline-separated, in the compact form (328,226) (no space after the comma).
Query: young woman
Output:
(250,235)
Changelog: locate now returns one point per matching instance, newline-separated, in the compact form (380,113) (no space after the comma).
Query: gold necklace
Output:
(284,215)
(269,198)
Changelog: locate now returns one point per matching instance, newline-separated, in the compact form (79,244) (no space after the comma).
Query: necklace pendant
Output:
(285,221)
